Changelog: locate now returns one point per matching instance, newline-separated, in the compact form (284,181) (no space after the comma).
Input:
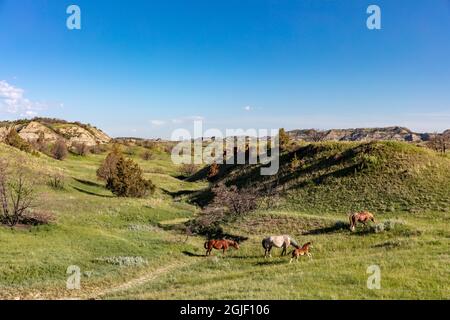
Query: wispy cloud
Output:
(157,123)
(13,101)
(187,119)
(247,108)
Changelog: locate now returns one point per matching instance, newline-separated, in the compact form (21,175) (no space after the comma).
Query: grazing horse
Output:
(283,241)
(303,251)
(362,217)
(219,245)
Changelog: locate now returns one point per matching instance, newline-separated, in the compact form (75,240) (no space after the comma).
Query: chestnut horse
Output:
(220,245)
(303,251)
(362,217)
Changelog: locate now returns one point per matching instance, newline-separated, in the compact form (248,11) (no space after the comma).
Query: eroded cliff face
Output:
(361,134)
(72,133)
(33,130)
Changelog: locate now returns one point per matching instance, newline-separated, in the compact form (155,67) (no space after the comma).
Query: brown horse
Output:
(220,245)
(303,251)
(362,217)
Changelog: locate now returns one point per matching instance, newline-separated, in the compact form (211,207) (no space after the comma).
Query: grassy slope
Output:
(341,177)
(91,224)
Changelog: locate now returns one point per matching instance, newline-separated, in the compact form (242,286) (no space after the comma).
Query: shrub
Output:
(14,140)
(130,151)
(37,217)
(98,148)
(108,166)
(56,181)
(147,155)
(80,149)
(234,201)
(188,170)
(40,144)
(125,261)
(127,180)
(295,163)
(59,150)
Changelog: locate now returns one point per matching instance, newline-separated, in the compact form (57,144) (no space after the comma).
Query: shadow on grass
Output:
(272,262)
(88,183)
(337,227)
(191,254)
(92,193)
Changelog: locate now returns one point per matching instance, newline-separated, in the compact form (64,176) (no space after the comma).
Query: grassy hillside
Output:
(126,249)
(346,176)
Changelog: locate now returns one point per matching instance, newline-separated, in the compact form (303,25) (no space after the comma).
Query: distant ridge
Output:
(362,134)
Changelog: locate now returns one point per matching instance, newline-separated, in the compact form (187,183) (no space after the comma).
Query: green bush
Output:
(127,180)
(14,140)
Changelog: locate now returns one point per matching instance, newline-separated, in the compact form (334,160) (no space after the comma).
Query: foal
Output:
(219,245)
(301,252)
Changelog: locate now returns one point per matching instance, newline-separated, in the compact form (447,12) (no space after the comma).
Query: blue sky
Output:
(144,68)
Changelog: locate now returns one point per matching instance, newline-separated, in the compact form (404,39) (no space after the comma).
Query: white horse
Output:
(283,241)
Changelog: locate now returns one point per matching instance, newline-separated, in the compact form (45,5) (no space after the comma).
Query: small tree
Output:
(234,201)
(213,170)
(108,166)
(16,196)
(40,143)
(284,139)
(317,135)
(59,150)
(128,181)
(439,142)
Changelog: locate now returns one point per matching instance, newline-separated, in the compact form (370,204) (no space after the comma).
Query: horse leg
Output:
(270,254)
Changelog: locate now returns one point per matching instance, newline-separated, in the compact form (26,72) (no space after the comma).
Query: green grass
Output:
(93,229)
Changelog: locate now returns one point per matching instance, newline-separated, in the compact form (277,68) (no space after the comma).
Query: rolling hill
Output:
(384,176)
(127,248)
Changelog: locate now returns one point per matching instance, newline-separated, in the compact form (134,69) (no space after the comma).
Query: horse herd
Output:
(284,241)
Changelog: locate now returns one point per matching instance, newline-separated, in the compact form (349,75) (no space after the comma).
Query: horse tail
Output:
(206,244)
(294,243)
(264,244)
(351,218)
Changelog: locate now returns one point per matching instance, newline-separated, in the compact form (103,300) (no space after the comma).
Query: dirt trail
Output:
(133,283)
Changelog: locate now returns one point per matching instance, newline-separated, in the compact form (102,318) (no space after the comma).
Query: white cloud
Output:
(12,100)
(157,122)
(30,113)
(247,108)
(187,119)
